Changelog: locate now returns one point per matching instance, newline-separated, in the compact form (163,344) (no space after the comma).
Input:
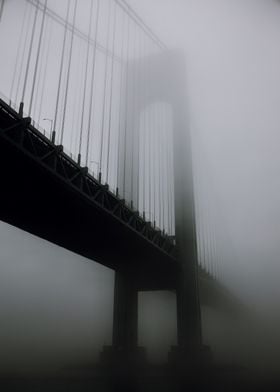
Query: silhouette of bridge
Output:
(101,162)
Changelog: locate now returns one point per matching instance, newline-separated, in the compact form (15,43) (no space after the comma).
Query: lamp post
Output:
(97,163)
(51,130)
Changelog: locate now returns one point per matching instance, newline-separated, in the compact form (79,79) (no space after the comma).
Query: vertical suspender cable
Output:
(76,124)
(145,126)
(150,162)
(198,235)
(171,178)
(197,215)
(207,256)
(217,236)
(37,56)
(173,182)
(202,220)
(158,124)
(85,81)
(161,170)
(18,50)
(111,92)
(144,162)
(155,160)
(68,72)
(120,104)
(156,204)
(23,55)
(166,176)
(89,127)
(149,149)
(137,125)
(205,225)
(158,168)
(167,173)
(215,251)
(105,88)
(41,66)
(153,166)
(150,125)
(196,209)
(29,52)
(132,130)
(204,245)
(203,241)
(212,249)
(203,212)
(165,151)
(158,158)
(162,162)
(61,66)
(220,256)
(209,249)
(45,73)
(126,100)
(77,100)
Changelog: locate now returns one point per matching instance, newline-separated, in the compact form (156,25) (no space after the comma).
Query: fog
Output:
(56,307)
(233,60)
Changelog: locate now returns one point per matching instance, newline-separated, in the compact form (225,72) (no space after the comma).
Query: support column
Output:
(125,321)
(188,310)
(188,307)
(124,350)
(190,347)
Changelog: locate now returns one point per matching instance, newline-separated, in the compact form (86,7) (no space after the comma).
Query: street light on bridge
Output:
(51,121)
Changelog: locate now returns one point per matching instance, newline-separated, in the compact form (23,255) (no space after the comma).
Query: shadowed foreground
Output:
(163,378)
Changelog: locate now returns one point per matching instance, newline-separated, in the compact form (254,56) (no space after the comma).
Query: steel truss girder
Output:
(27,138)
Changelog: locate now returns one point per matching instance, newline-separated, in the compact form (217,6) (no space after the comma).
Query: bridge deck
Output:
(46,193)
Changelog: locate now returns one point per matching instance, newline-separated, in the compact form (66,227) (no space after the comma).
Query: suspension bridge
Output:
(96,153)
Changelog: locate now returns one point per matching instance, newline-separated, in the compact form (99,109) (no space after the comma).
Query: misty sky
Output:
(233,62)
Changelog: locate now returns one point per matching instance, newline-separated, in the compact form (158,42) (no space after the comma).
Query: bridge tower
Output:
(170,67)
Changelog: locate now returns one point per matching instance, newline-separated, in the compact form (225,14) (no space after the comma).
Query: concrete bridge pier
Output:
(125,321)
(124,349)
(190,350)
